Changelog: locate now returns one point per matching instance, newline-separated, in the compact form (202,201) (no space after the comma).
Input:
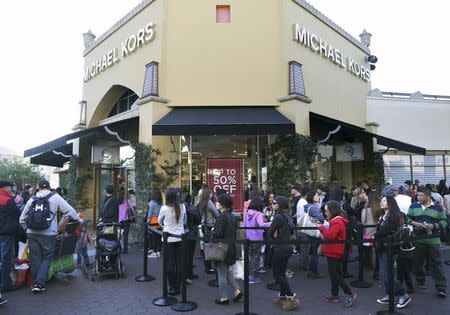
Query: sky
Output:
(42,62)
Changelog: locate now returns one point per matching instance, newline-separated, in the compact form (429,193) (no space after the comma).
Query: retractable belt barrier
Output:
(185,305)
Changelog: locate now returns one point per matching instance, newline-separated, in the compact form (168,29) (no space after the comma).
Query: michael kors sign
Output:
(326,50)
(131,44)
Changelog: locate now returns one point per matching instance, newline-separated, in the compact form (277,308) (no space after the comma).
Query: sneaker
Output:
(280,300)
(442,293)
(289,271)
(150,251)
(37,288)
(188,281)
(289,275)
(210,271)
(384,300)
(153,255)
(331,299)
(261,271)
(421,285)
(3,301)
(290,303)
(350,299)
(253,280)
(403,301)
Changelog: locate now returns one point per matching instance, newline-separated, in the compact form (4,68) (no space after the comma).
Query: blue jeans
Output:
(42,248)
(398,289)
(82,251)
(6,250)
(225,277)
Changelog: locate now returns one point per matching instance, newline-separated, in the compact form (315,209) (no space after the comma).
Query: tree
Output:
(19,172)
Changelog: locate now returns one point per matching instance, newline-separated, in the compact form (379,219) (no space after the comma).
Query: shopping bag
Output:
(238,269)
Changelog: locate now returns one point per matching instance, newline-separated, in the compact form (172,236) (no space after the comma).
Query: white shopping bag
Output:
(238,269)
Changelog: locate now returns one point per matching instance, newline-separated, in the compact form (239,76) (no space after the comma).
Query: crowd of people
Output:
(380,219)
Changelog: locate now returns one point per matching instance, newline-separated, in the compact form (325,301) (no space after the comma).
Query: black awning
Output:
(327,129)
(249,120)
(54,157)
(55,152)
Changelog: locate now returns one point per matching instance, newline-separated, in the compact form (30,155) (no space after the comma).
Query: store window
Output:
(128,99)
(151,80)
(223,13)
(196,150)
(296,83)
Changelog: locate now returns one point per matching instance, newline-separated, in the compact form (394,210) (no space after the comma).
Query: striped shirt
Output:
(432,214)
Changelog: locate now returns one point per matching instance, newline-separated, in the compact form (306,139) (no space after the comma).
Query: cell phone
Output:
(314,220)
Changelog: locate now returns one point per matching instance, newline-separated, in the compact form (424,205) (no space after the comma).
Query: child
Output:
(83,240)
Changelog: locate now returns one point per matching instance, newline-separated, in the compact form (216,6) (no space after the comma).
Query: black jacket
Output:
(386,229)
(193,220)
(280,224)
(110,210)
(9,215)
(225,228)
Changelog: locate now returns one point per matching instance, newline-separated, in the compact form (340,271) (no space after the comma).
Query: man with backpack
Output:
(40,218)
(9,227)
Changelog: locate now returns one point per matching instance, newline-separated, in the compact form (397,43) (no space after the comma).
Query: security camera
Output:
(371,59)
(372,67)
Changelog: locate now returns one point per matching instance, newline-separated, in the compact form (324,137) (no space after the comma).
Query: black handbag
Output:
(215,251)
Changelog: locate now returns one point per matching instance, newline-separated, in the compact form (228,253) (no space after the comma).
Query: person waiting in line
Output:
(225,228)
(312,209)
(110,209)
(153,209)
(209,214)
(172,218)
(370,215)
(124,205)
(335,230)
(447,212)
(389,223)
(254,218)
(193,221)
(280,231)
(302,249)
(42,241)
(428,217)
(403,198)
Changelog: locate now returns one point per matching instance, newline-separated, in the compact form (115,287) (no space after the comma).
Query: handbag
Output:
(306,222)
(131,215)
(215,251)
(153,221)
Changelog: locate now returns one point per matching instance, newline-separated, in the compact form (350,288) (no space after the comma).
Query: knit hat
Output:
(282,201)
(389,191)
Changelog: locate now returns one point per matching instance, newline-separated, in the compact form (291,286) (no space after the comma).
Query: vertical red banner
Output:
(226,174)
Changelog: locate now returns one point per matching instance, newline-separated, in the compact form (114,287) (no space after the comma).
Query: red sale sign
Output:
(226,174)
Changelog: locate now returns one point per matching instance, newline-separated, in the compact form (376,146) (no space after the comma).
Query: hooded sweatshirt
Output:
(254,218)
(336,231)
(56,202)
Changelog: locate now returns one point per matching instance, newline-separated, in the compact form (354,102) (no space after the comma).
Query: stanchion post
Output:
(145,277)
(246,280)
(165,300)
(360,283)
(184,305)
(390,262)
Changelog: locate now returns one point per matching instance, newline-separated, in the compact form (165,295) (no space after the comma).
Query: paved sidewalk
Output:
(126,296)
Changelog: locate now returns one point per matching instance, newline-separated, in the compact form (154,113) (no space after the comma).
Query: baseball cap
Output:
(5,183)
(43,184)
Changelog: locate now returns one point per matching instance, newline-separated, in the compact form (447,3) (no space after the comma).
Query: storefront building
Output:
(212,83)
(417,118)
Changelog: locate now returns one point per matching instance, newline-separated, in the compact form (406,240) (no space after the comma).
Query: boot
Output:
(280,300)
(290,303)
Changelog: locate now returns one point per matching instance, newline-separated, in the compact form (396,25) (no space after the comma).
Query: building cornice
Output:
(308,7)
(141,6)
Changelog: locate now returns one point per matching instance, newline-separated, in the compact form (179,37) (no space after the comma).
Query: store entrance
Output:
(252,150)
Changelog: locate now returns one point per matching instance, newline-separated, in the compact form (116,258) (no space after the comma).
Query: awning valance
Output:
(325,129)
(244,120)
(58,151)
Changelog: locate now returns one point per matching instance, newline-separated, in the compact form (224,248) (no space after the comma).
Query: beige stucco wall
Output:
(129,71)
(335,92)
(424,123)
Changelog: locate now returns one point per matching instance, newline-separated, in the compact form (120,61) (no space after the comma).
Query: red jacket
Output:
(336,231)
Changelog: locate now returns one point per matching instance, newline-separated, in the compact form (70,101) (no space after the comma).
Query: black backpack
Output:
(40,216)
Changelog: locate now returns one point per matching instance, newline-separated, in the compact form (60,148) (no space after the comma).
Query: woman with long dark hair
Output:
(389,223)
(124,204)
(370,215)
(280,231)
(172,218)
(209,214)
(225,228)
(153,209)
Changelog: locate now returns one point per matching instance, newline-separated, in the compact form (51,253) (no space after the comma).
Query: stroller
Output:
(107,252)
